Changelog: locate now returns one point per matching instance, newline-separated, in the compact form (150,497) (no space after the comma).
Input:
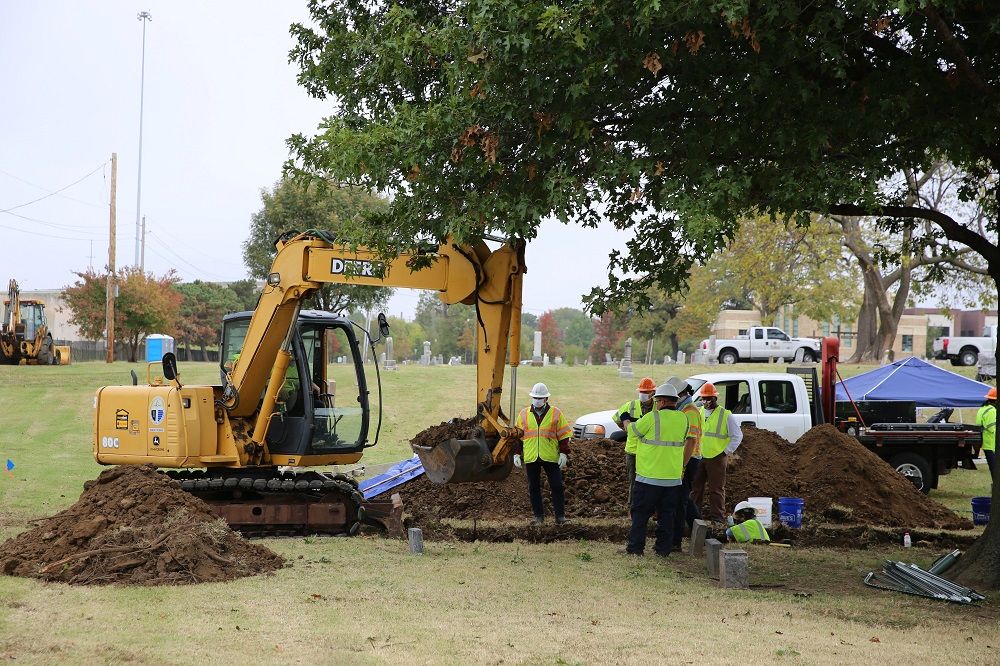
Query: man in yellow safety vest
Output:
(747,527)
(663,450)
(688,511)
(987,420)
(633,410)
(545,446)
(720,437)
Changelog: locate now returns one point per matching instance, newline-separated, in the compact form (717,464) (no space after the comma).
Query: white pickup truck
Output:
(763,343)
(964,350)
(781,402)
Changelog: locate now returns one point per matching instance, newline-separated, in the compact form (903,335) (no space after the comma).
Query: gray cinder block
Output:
(699,530)
(734,570)
(416,540)
(712,549)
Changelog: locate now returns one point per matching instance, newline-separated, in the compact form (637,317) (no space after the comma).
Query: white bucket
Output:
(763,507)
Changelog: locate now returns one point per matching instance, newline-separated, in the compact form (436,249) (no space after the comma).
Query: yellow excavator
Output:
(294,391)
(25,335)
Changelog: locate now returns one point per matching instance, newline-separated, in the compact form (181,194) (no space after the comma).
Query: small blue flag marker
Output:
(10,468)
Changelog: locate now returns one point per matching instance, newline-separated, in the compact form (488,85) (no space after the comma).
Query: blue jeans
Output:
(648,499)
(534,473)
(990,461)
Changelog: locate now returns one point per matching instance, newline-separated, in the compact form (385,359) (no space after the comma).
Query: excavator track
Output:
(275,503)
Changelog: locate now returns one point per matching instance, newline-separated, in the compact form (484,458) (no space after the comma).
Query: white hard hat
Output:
(745,505)
(678,384)
(665,391)
(539,390)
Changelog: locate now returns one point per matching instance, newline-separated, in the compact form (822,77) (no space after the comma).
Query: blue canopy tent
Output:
(914,379)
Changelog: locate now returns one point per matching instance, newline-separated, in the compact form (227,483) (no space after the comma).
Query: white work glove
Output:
(563,459)
(517,461)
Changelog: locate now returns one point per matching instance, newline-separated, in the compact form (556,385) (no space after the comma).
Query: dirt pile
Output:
(840,480)
(134,526)
(845,482)
(453,429)
(594,479)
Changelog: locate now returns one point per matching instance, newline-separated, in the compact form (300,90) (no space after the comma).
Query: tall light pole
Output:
(144,17)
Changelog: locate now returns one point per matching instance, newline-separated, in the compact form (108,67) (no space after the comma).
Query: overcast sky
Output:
(220,100)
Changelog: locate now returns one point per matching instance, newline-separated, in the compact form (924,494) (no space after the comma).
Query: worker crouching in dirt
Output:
(545,445)
(746,528)
(663,449)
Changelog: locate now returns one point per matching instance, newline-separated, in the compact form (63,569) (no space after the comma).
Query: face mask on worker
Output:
(538,403)
(645,397)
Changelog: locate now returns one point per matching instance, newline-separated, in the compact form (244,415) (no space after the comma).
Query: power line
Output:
(51,194)
(179,258)
(54,225)
(174,241)
(62,196)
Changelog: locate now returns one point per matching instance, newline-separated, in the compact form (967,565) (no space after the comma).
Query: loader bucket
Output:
(461,461)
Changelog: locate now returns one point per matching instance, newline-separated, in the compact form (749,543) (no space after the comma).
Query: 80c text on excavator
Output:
(286,401)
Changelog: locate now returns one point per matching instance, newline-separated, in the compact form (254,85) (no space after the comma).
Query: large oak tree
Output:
(671,119)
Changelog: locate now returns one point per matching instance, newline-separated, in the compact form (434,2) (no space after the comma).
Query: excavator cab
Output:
(323,403)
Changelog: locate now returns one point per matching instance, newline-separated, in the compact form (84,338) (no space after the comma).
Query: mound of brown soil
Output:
(134,526)
(839,479)
(763,466)
(454,429)
(594,479)
(836,472)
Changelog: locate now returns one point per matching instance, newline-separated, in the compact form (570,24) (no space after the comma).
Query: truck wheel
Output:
(915,468)
(808,356)
(968,357)
(728,357)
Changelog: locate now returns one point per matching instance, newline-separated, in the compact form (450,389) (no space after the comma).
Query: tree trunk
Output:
(675,344)
(867,320)
(979,568)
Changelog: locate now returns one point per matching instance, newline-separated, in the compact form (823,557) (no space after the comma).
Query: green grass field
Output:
(366,600)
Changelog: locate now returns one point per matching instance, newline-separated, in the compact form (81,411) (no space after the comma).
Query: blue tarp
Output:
(914,379)
(396,475)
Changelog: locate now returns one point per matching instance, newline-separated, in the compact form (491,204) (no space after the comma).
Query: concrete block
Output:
(416,540)
(699,530)
(712,549)
(734,570)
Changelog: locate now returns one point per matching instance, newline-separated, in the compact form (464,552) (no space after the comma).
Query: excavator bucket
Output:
(461,461)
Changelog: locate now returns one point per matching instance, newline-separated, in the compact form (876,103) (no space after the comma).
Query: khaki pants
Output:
(713,472)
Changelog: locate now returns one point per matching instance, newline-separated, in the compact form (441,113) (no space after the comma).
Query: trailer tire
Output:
(915,468)
(729,357)
(968,356)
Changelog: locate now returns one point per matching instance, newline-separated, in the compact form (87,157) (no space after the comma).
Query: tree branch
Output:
(961,59)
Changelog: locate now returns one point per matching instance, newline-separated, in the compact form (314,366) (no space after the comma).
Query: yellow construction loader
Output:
(295,394)
(24,334)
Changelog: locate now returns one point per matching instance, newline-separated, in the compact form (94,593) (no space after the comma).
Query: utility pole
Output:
(109,307)
(142,256)
(144,17)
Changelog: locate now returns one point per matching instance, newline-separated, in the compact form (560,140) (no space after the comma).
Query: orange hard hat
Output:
(991,394)
(708,390)
(647,384)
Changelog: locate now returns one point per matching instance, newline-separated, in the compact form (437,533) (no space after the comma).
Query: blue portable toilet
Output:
(156,346)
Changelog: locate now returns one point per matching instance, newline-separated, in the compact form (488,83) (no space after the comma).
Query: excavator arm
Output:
(472,274)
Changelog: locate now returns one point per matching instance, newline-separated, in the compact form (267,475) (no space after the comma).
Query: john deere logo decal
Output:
(157,410)
(121,419)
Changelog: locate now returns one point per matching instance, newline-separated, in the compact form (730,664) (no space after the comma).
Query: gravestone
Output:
(712,549)
(625,368)
(416,540)
(536,354)
(699,531)
(545,360)
(667,360)
(425,358)
(681,358)
(390,355)
(734,570)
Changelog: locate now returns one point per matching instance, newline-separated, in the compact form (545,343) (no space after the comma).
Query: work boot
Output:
(538,520)
(626,551)
(561,520)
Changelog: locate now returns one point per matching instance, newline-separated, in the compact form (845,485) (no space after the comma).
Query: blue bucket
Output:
(790,511)
(981,510)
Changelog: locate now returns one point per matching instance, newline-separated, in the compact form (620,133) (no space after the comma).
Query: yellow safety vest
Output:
(715,432)
(659,456)
(634,409)
(986,418)
(750,530)
(694,427)
(541,440)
